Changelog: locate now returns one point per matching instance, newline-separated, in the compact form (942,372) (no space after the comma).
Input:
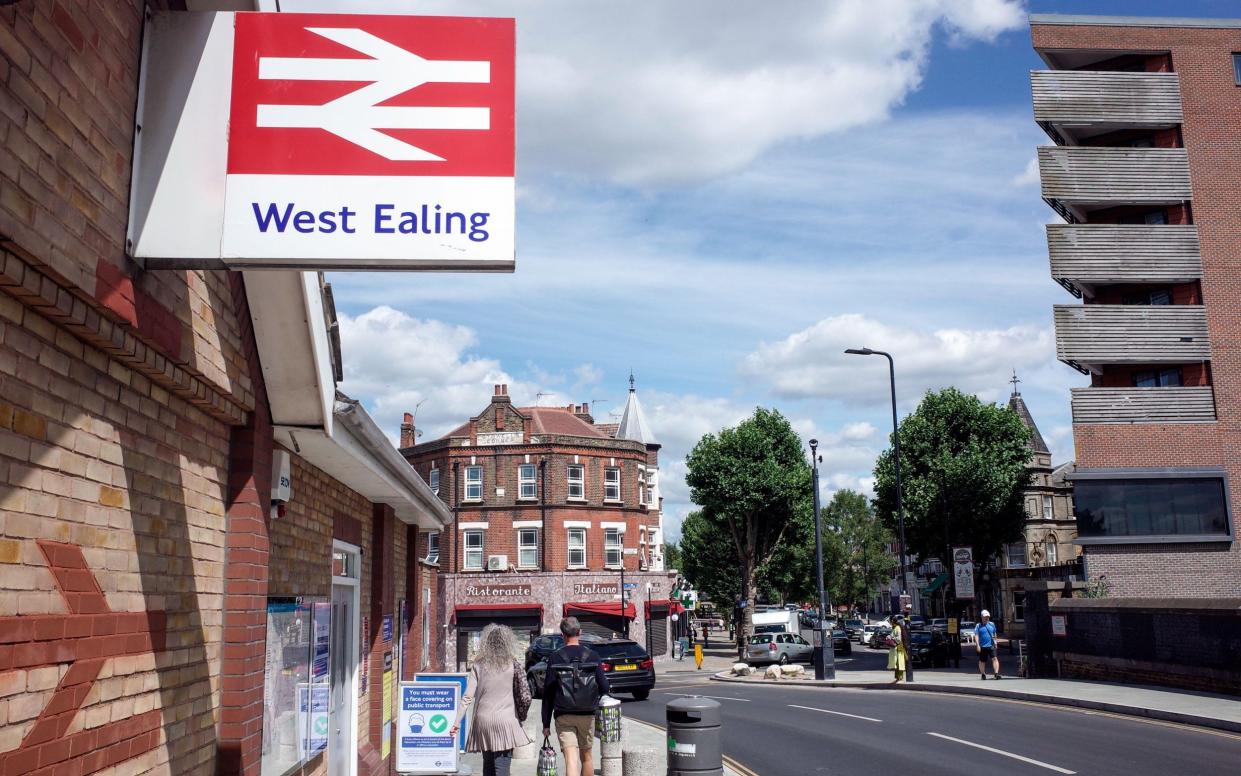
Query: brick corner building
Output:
(1144,115)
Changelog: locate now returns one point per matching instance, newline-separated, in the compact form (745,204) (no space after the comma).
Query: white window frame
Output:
(524,482)
(433,479)
(354,583)
(578,481)
(1049,508)
(642,548)
(571,549)
(613,542)
(532,547)
(641,487)
(433,547)
(1053,552)
(471,483)
(609,485)
(467,550)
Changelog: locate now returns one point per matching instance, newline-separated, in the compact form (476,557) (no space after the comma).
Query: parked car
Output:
(966,629)
(628,667)
(841,645)
(869,631)
(779,648)
(928,648)
(542,647)
(917,622)
(879,639)
(853,628)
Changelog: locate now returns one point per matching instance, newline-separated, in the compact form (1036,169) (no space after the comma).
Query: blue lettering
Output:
(326,224)
(477,222)
(272,215)
(345,215)
(304,221)
(383,214)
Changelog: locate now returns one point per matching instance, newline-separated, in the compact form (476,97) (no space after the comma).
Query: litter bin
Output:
(694,737)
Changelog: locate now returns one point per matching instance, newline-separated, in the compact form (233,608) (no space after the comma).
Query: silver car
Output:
(779,648)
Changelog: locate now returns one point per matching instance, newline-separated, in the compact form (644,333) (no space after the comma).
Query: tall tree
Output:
(709,560)
(672,556)
(963,468)
(753,479)
(855,554)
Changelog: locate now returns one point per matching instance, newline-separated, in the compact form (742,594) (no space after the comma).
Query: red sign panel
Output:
(333,94)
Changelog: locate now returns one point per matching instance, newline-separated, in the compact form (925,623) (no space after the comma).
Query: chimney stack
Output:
(407,431)
(583,411)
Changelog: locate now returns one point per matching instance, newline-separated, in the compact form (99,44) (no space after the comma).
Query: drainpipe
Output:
(456,517)
(543,514)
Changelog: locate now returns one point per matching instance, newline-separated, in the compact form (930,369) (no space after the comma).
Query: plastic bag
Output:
(547,760)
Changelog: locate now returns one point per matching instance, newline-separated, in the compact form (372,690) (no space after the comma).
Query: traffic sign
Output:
(631,586)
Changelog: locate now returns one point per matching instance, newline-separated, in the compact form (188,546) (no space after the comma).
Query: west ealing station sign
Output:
(335,141)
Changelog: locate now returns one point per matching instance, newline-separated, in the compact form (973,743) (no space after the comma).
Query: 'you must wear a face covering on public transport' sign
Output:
(326,141)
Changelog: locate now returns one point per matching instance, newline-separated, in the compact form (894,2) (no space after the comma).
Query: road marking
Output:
(829,711)
(1040,764)
(712,697)
(729,761)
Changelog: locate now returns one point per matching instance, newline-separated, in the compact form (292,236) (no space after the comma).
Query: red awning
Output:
(662,603)
(612,608)
(500,610)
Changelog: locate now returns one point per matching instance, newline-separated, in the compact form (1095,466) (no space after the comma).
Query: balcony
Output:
(1182,404)
(1079,179)
(1088,336)
(1087,255)
(1072,105)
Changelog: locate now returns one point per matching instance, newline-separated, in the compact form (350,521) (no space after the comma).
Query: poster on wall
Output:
(385,747)
(312,718)
(427,712)
(963,572)
(461,681)
(322,640)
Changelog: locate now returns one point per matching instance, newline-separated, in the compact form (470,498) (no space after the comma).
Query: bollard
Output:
(694,737)
(641,762)
(608,731)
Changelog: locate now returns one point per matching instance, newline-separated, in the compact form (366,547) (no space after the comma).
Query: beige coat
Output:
(494,727)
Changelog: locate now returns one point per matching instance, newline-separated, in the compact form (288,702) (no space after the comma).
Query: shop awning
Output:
(673,607)
(612,608)
(498,611)
(935,583)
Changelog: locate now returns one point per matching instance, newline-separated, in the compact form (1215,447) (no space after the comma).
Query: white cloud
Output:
(650,93)
(812,364)
(1029,176)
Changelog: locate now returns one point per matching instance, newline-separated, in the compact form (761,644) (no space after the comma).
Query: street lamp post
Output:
(900,509)
(824,651)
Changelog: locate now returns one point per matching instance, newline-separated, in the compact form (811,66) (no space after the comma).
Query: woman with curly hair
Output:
(498,692)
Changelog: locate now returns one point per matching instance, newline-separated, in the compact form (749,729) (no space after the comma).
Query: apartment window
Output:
(1236,69)
(1017,554)
(527,548)
(642,548)
(473,550)
(1139,508)
(434,481)
(1159,296)
(577,548)
(577,481)
(473,483)
(611,485)
(433,547)
(650,494)
(612,547)
(1019,606)
(527,485)
(1052,555)
(1049,511)
(641,488)
(1158,378)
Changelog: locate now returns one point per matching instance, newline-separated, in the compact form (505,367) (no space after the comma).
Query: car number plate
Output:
(626,668)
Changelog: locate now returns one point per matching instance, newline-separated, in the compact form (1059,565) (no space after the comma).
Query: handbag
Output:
(521,692)
(547,760)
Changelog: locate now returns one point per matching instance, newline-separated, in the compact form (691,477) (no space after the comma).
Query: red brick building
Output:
(1145,117)
(548,507)
(159,614)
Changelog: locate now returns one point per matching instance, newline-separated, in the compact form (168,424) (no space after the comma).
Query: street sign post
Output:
(963,572)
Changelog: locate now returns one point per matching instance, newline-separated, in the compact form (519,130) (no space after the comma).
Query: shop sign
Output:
(497,591)
(500,438)
(424,741)
(963,572)
(1058,625)
(594,588)
(325,141)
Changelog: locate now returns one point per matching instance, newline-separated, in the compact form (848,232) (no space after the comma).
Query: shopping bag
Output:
(547,760)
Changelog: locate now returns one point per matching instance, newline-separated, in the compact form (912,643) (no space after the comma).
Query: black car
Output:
(543,646)
(928,648)
(841,643)
(854,628)
(628,667)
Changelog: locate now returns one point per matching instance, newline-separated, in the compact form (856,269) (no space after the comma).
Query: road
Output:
(779,730)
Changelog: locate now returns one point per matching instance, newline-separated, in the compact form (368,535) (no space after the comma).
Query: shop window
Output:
(473,550)
(433,479)
(1017,554)
(527,484)
(612,547)
(473,483)
(1049,511)
(433,547)
(577,548)
(577,481)
(296,687)
(1019,606)
(611,484)
(527,548)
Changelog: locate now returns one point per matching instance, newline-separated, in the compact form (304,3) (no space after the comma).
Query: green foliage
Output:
(709,559)
(855,559)
(963,469)
(672,556)
(1097,588)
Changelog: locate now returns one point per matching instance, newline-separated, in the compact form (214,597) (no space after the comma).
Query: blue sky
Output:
(724,201)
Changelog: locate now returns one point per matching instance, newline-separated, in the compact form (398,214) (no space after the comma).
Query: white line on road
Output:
(1048,766)
(712,697)
(829,711)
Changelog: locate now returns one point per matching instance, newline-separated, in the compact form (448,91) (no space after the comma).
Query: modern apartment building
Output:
(1144,117)
(548,508)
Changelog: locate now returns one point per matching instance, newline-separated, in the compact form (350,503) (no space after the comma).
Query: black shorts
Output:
(985,653)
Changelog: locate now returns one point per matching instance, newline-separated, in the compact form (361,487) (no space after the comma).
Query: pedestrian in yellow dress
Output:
(896,654)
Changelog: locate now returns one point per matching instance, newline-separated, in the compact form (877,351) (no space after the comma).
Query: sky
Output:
(722,196)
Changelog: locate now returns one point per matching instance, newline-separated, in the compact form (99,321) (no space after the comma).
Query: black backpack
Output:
(577,692)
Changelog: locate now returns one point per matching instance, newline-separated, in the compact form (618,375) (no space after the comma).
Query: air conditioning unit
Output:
(497,563)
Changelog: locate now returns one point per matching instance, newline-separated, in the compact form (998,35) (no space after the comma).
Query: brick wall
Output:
(1211,133)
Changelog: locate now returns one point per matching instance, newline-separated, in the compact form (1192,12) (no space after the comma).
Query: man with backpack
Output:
(575,682)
